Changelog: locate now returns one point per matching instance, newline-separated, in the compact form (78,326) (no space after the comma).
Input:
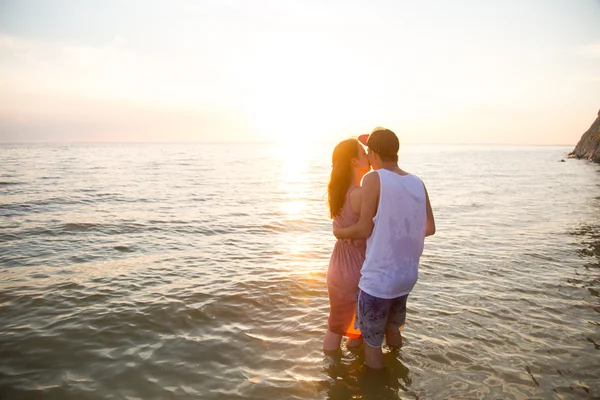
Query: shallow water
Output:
(156,271)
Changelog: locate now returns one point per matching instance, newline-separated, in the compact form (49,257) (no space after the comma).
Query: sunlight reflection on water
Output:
(153,271)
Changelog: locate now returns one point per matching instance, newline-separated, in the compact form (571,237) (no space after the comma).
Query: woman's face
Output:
(362,165)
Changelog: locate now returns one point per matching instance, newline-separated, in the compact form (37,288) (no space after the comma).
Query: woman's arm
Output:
(368,209)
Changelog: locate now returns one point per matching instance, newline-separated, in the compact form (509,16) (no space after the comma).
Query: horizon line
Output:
(277,142)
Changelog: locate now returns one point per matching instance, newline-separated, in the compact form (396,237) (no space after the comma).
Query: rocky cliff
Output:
(589,144)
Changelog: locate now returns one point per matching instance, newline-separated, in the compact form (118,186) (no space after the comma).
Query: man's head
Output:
(383,146)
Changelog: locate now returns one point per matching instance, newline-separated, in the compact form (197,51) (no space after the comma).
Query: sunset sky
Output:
(509,72)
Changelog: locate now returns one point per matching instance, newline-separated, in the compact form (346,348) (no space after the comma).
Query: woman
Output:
(350,164)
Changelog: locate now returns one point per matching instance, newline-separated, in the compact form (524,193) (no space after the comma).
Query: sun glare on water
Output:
(294,159)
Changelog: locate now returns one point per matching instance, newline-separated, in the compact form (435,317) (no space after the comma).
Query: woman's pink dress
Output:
(344,273)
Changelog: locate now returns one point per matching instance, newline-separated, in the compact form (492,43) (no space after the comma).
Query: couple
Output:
(381,227)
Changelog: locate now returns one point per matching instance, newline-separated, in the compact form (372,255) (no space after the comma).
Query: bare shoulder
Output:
(370,187)
(371,178)
(356,198)
(356,193)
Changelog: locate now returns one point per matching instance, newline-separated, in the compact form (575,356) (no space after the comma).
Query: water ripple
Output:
(194,277)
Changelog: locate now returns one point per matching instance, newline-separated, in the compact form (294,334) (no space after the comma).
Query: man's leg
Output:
(393,338)
(395,322)
(373,356)
(372,315)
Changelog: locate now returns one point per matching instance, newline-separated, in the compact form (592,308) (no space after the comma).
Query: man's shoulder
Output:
(370,181)
(371,176)
(415,177)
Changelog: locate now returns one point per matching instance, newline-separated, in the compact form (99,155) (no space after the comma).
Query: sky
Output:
(461,71)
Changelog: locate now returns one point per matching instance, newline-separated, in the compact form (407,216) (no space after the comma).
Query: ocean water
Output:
(184,271)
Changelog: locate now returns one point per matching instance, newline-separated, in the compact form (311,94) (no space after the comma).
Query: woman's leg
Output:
(331,341)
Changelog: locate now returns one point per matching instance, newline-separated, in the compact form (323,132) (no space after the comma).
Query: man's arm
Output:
(430,223)
(368,209)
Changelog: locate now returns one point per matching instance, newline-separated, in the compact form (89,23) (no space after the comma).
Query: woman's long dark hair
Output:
(341,175)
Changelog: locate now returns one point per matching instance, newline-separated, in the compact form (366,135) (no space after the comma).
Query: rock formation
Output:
(589,144)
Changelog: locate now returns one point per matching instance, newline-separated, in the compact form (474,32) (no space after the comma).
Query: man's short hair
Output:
(384,142)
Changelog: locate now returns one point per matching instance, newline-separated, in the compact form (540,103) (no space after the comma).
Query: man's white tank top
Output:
(391,265)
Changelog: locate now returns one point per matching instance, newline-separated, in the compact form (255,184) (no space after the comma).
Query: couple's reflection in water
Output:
(350,378)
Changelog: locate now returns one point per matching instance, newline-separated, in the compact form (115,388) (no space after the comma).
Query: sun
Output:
(300,101)
(291,121)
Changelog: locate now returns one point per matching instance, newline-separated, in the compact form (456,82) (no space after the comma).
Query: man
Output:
(395,216)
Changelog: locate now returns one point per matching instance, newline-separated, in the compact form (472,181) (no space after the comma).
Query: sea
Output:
(197,271)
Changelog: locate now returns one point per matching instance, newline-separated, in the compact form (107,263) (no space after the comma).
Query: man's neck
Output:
(393,167)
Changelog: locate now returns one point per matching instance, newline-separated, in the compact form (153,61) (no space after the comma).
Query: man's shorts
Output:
(375,315)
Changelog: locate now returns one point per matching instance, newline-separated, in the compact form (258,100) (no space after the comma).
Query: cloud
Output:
(591,50)
(114,70)
(62,118)
(11,43)
(63,90)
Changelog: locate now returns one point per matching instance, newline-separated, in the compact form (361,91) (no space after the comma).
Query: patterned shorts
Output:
(375,315)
